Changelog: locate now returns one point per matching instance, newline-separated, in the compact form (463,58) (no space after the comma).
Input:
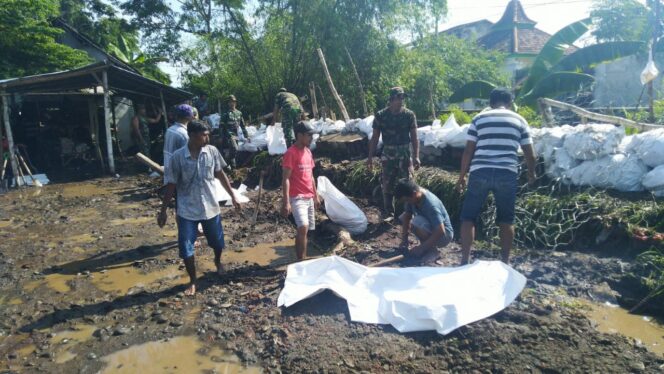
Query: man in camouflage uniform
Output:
(399,129)
(230,126)
(290,108)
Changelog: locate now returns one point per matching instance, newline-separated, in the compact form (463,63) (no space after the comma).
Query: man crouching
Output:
(192,171)
(425,215)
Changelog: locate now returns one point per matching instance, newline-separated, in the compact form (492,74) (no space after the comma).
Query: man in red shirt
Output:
(299,187)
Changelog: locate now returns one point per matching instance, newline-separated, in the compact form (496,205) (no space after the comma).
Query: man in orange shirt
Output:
(299,187)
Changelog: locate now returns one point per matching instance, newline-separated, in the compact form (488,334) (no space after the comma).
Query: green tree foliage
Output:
(28,41)
(620,20)
(127,50)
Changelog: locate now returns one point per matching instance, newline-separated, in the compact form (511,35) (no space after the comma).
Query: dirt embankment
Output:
(86,273)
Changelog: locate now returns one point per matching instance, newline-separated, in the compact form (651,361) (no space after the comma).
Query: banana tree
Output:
(127,50)
(552,73)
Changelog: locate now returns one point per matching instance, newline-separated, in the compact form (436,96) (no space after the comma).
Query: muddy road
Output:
(89,284)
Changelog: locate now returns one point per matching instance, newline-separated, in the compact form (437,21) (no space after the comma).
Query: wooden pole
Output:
(359,82)
(314,103)
(163,110)
(342,107)
(94,130)
(107,123)
(325,112)
(258,201)
(600,117)
(148,162)
(387,261)
(10,139)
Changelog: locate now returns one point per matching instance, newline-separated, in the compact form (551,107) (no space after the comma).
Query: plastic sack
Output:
(589,142)
(620,172)
(276,143)
(340,209)
(213,120)
(560,163)
(650,72)
(654,180)
(438,137)
(459,140)
(649,146)
(221,194)
(546,140)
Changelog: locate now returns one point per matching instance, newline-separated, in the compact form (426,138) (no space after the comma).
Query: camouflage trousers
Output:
(396,164)
(230,147)
(288,120)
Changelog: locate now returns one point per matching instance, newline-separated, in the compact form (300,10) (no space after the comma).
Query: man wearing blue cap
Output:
(176,136)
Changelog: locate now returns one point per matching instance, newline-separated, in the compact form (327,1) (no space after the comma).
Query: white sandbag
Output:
(340,209)
(251,131)
(438,137)
(314,139)
(649,146)
(620,172)
(654,180)
(459,140)
(546,140)
(333,128)
(589,142)
(560,163)
(276,142)
(366,126)
(213,120)
(410,299)
(626,173)
(221,194)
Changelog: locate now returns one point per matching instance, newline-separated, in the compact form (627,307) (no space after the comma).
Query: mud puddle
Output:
(177,355)
(612,319)
(67,340)
(118,279)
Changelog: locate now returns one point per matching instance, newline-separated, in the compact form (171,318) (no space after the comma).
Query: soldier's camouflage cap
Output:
(397,91)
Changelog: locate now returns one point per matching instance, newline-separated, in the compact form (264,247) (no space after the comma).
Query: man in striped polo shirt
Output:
(492,144)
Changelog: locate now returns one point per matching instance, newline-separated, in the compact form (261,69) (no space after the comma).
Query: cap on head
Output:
(184,111)
(500,96)
(232,98)
(397,92)
(304,128)
(283,89)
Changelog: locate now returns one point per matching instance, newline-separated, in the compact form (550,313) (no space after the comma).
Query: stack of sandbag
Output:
(257,139)
(601,155)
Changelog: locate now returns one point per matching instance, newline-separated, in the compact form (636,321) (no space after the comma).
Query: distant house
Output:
(514,34)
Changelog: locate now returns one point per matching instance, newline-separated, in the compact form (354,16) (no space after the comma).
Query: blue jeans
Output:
(188,231)
(503,184)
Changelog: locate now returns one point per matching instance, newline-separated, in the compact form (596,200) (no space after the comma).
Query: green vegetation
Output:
(461,117)
(28,40)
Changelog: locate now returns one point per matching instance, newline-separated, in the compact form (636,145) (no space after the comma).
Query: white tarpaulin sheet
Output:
(410,299)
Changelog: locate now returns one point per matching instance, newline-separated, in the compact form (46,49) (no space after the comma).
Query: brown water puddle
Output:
(177,355)
(83,190)
(118,279)
(132,221)
(264,254)
(616,320)
(122,279)
(66,340)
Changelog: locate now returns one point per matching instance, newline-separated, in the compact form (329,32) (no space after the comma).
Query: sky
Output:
(550,15)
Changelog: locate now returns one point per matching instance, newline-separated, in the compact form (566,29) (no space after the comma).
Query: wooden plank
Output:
(148,162)
(107,124)
(600,117)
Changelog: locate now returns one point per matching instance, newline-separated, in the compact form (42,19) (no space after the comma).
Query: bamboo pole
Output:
(107,123)
(94,130)
(10,139)
(599,117)
(359,81)
(342,107)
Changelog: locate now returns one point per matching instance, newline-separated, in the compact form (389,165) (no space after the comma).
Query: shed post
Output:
(163,109)
(10,139)
(107,123)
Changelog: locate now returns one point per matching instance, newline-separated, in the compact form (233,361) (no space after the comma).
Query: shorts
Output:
(188,231)
(423,224)
(303,212)
(503,184)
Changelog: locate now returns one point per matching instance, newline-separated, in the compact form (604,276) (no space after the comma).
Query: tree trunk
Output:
(359,82)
